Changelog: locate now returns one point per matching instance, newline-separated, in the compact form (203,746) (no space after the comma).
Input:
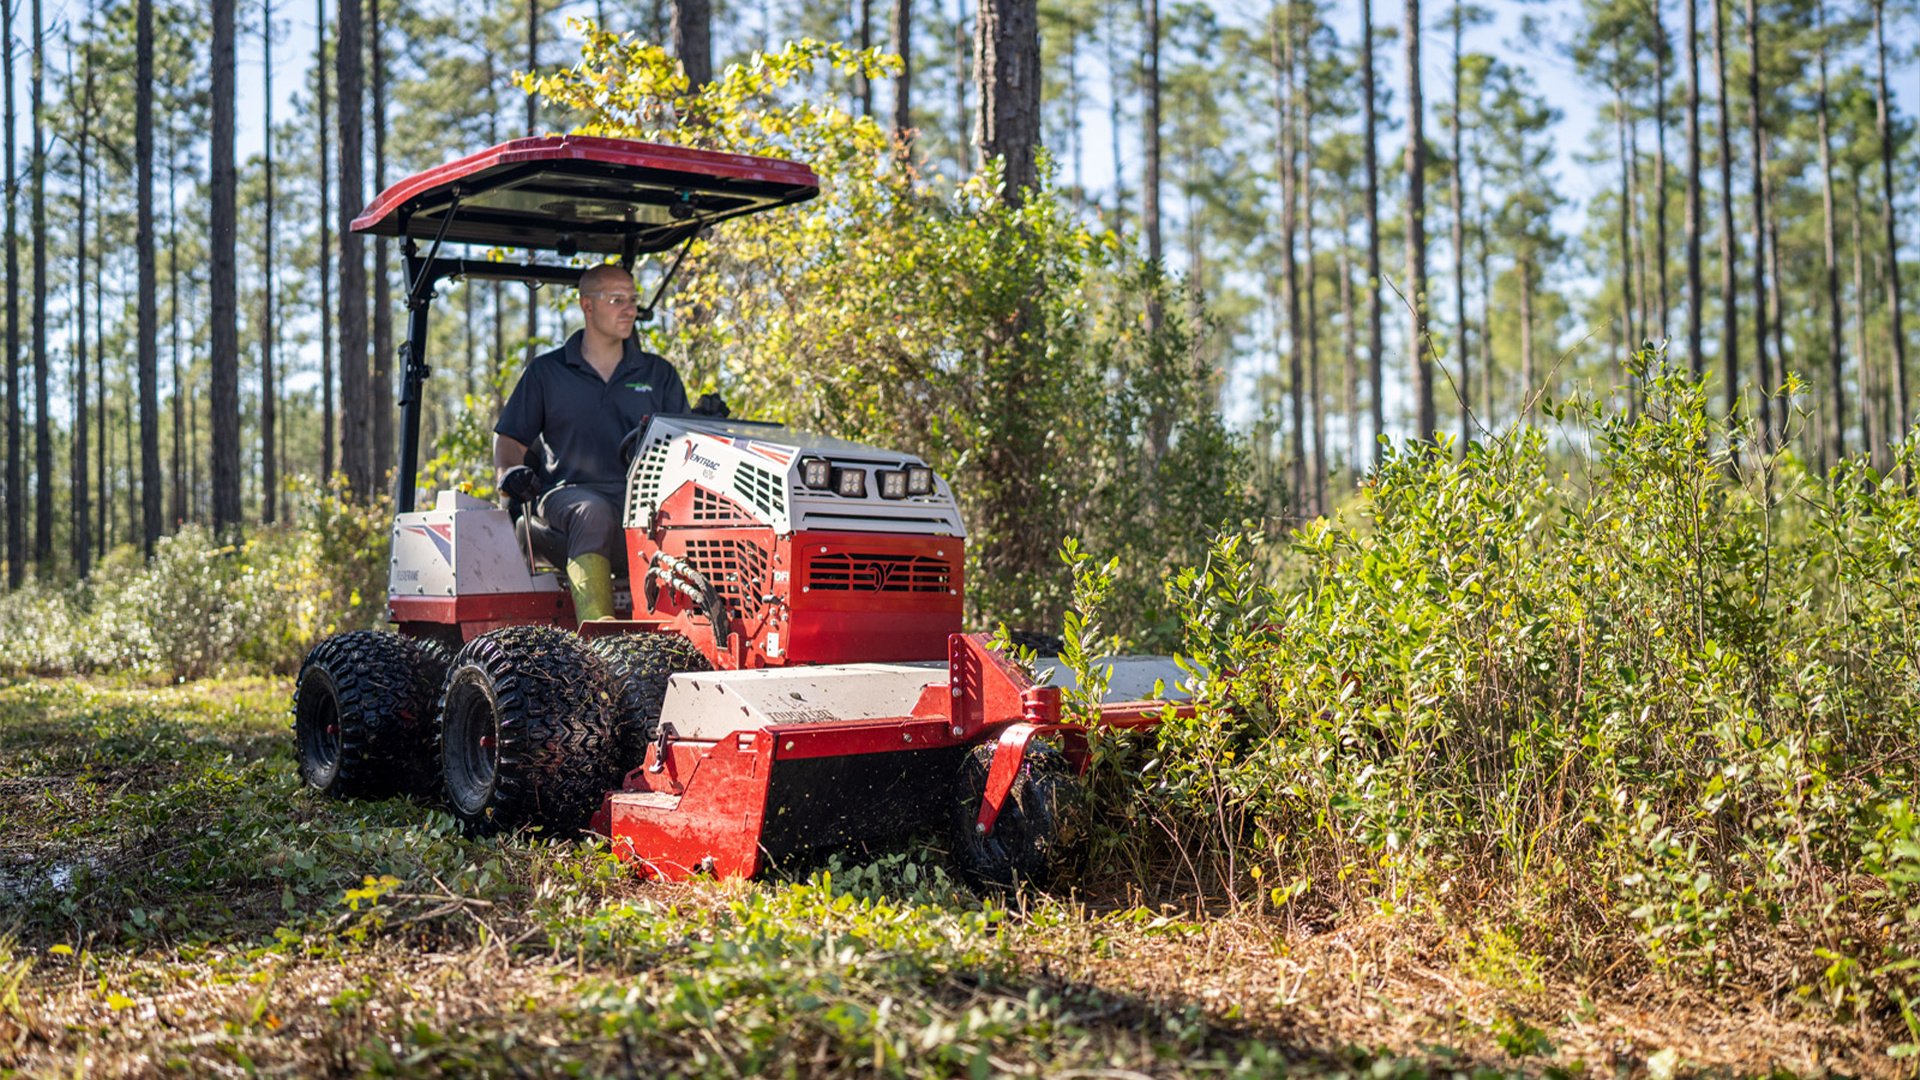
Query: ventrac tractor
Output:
(788,668)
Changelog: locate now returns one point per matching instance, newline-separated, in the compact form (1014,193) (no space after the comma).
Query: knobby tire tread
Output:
(640,665)
(386,687)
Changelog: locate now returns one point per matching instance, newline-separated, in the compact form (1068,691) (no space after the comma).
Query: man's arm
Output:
(507,453)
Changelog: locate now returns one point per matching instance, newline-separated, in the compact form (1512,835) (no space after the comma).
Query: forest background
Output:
(1732,179)
(1600,689)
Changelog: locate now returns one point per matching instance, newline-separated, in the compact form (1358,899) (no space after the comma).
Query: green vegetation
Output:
(176,903)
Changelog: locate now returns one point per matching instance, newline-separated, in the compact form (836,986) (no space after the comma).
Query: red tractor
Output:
(788,671)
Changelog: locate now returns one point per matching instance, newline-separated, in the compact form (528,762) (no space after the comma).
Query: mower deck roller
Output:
(751,766)
(787,671)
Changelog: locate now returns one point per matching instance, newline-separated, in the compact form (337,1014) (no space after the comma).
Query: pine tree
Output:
(222,274)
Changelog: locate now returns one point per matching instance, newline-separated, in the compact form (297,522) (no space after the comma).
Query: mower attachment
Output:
(760,764)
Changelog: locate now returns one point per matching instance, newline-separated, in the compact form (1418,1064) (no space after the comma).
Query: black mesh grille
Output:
(737,569)
(711,509)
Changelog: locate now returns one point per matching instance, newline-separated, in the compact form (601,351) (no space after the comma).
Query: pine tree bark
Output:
(1284,103)
(80,544)
(356,443)
(16,509)
(147,348)
(1836,441)
(223,279)
(693,41)
(382,412)
(1457,199)
(1416,164)
(1762,362)
(177,399)
(863,86)
(1006,60)
(1659,253)
(1150,141)
(1882,127)
(1629,337)
(269,387)
(1375,315)
(1350,344)
(1729,278)
(902,32)
(1317,409)
(1870,429)
(1696,290)
(324,159)
(42,362)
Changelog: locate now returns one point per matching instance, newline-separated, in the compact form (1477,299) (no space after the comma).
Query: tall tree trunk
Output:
(1762,364)
(1284,68)
(1312,324)
(1424,421)
(1488,378)
(1150,139)
(80,543)
(692,41)
(1883,128)
(356,443)
(269,388)
(383,446)
(1729,279)
(902,32)
(1370,144)
(863,86)
(15,474)
(1349,344)
(1456,196)
(1665,311)
(327,426)
(1006,60)
(1628,336)
(1836,340)
(178,397)
(963,119)
(1870,429)
(147,347)
(42,362)
(1696,290)
(1636,190)
(223,275)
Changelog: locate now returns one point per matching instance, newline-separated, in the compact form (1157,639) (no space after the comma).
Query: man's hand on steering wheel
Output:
(712,405)
(521,484)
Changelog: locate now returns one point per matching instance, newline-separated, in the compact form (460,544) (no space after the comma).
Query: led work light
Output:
(816,473)
(893,485)
(919,480)
(850,483)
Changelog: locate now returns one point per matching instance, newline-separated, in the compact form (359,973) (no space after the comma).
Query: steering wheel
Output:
(630,445)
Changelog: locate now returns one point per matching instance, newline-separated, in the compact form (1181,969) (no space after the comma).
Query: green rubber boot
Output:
(591,579)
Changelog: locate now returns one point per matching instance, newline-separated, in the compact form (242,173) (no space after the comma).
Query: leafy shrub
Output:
(1658,705)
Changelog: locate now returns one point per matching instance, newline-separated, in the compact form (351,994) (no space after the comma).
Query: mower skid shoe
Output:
(705,818)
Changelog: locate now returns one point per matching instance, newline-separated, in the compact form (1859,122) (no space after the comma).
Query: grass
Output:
(173,902)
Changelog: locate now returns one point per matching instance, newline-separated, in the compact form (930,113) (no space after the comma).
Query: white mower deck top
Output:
(712,705)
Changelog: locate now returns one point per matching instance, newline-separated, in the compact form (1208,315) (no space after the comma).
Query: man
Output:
(579,401)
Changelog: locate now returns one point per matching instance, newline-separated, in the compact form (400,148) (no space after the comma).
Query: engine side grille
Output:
(737,569)
(643,481)
(856,572)
(762,488)
(711,509)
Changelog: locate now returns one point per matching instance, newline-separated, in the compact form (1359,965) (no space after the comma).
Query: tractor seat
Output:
(549,544)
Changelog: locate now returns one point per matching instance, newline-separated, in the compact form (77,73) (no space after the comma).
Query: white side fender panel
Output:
(464,546)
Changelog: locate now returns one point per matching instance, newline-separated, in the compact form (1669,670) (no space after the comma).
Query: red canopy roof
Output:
(571,193)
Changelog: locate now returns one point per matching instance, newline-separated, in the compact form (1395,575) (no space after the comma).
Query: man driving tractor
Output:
(573,406)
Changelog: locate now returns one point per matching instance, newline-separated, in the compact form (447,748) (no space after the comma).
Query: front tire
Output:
(1025,844)
(527,731)
(641,664)
(363,708)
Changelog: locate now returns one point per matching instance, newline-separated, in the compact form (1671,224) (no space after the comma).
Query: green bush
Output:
(1658,704)
(200,606)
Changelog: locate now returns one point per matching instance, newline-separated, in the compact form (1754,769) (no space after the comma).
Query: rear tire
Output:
(363,715)
(527,731)
(1025,844)
(641,664)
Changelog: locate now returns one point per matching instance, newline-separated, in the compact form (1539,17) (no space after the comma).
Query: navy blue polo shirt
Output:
(581,418)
